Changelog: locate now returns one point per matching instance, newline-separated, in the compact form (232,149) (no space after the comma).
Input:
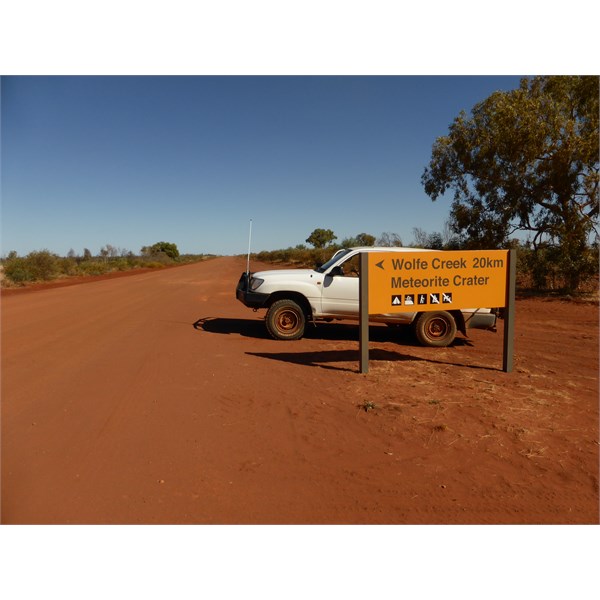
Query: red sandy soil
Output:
(159,398)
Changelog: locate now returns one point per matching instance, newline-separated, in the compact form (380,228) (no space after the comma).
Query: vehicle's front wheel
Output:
(285,320)
(437,329)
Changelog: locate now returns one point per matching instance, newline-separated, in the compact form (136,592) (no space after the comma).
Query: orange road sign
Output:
(436,280)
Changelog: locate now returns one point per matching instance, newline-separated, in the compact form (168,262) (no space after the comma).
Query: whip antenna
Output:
(249,242)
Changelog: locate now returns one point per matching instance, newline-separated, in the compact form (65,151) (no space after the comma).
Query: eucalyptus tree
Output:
(525,160)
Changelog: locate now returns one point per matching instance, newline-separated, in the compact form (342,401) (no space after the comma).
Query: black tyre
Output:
(436,329)
(285,320)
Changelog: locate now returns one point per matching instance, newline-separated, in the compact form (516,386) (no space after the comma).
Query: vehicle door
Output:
(340,288)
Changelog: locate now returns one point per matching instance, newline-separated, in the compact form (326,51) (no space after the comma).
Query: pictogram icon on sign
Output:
(409,299)
(435,298)
(422,299)
(396,300)
(447,297)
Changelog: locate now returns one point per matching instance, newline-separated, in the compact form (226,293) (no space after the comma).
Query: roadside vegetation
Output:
(43,265)
(322,240)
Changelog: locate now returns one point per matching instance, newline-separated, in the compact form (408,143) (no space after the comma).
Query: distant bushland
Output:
(299,256)
(324,247)
(44,265)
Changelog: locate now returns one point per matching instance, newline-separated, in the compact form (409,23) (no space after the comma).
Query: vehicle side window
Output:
(352,266)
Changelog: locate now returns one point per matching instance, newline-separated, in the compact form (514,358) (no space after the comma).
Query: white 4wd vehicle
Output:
(294,296)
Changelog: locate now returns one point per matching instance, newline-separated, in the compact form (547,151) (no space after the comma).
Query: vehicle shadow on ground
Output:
(323,331)
(246,327)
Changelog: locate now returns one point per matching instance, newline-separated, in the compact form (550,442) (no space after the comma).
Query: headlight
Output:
(255,283)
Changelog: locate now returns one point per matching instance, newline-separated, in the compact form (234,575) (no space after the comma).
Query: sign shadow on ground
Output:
(316,359)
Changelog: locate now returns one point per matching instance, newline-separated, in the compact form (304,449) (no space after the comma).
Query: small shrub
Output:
(68,266)
(368,405)
(121,264)
(93,267)
(16,271)
(40,265)
(43,265)
(160,257)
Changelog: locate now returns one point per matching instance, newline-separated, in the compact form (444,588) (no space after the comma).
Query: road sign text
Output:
(452,279)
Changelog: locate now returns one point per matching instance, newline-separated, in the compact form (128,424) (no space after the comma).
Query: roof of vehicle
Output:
(389,249)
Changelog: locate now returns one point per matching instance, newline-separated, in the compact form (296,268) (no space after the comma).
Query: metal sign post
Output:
(363,303)
(509,313)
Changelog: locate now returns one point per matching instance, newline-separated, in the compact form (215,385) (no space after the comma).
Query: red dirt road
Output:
(158,398)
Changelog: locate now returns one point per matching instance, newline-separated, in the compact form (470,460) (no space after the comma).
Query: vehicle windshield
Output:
(333,260)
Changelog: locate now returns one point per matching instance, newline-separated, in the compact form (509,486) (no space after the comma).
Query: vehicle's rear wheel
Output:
(437,329)
(285,320)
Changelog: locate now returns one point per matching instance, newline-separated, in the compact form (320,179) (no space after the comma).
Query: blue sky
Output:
(130,161)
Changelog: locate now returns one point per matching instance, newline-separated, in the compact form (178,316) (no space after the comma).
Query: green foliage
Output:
(362,239)
(93,267)
(40,265)
(525,160)
(321,238)
(365,239)
(542,268)
(43,265)
(121,264)
(68,266)
(15,270)
(297,257)
(167,248)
